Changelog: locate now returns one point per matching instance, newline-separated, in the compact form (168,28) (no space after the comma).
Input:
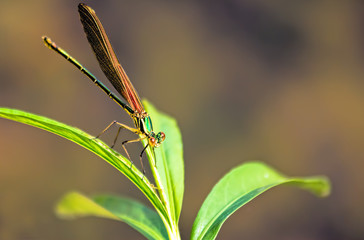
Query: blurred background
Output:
(276,81)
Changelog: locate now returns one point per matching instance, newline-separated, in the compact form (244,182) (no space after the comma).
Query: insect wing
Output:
(106,57)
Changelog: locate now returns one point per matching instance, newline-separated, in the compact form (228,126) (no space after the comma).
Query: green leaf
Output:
(170,159)
(135,214)
(238,187)
(94,145)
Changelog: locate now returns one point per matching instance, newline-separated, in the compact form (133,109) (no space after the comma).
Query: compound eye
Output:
(162,136)
(152,141)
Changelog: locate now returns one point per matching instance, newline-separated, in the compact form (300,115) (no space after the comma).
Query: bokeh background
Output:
(276,81)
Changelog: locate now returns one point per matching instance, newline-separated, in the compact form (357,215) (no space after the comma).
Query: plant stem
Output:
(171,226)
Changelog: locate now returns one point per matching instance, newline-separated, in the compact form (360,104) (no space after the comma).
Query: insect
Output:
(114,72)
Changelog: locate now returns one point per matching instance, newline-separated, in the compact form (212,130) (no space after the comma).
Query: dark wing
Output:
(106,57)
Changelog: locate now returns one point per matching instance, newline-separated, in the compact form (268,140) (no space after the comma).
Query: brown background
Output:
(276,81)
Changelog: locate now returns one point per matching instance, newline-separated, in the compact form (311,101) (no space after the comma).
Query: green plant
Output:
(235,189)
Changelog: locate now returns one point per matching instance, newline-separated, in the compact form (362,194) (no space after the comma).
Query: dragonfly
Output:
(115,73)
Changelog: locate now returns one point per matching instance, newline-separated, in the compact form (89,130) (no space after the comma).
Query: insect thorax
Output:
(143,122)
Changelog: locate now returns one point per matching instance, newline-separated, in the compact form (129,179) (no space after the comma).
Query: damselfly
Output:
(111,67)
